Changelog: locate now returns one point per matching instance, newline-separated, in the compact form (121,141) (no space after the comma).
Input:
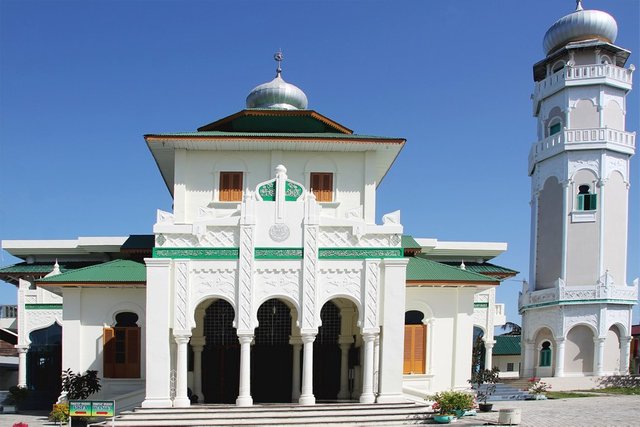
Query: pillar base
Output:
(244,401)
(343,396)
(307,400)
(367,398)
(157,403)
(181,402)
(391,398)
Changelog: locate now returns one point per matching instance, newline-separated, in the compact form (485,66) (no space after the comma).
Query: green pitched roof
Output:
(408,242)
(41,267)
(485,268)
(506,344)
(118,271)
(421,269)
(301,135)
(275,120)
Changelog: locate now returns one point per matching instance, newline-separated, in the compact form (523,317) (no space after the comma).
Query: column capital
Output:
(559,340)
(295,340)
(198,341)
(345,339)
(308,338)
(181,339)
(22,348)
(489,344)
(369,336)
(245,338)
(626,340)
(599,340)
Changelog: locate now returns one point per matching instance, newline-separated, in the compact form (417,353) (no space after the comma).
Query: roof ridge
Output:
(79,270)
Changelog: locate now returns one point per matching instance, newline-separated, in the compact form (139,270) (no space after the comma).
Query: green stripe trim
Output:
(480,305)
(196,253)
(43,306)
(581,301)
(359,253)
(278,253)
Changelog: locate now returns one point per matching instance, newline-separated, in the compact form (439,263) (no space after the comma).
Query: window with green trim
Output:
(555,128)
(587,201)
(545,354)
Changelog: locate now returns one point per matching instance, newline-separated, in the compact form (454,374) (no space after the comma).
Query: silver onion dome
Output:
(580,25)
(277,93)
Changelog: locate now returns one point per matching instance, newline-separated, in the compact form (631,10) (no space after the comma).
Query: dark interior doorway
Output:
(44,367)
(271,354)
(326,354)
(221,355)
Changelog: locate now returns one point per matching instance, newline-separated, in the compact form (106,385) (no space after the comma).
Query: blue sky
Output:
(82,81)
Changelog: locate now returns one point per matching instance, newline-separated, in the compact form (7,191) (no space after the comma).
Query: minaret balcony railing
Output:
(604,291)
(579,75)
(582,139)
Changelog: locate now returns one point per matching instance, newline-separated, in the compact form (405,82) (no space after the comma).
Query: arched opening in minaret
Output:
(579,351)
(271,354)
(221,354)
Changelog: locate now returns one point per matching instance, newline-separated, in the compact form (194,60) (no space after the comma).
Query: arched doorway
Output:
(478,349)
(221,354)
(44,367)
(578,351)
(326,350)
(271,355)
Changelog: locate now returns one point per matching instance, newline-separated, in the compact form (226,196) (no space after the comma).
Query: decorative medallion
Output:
(279,232)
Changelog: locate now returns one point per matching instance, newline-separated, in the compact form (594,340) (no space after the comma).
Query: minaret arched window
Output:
(587,201)
(545,354)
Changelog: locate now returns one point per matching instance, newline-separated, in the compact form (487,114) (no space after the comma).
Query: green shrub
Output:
(16,395)
(447,402)
(60,413)
(80,386)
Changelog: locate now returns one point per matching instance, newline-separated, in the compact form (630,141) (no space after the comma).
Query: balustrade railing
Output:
(8,311)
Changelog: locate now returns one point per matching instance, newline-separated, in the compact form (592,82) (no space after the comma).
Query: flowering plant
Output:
(448,402)
(538,387)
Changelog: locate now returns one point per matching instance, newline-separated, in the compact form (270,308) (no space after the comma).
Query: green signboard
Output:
(92,408)
(79,408)
(106,408)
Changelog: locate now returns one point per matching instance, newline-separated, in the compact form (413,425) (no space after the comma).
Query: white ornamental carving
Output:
(580,314)
(181,283)
(580,160)
(245,278)
(214,282)
(550,318)
(310,269)
(279,232)
(277,282)
(371,294)
(39,319)
(180,240)
(219,237)
(617,164)
(479,317)
(341,282)
(620,316)
(163,217)
(342,237)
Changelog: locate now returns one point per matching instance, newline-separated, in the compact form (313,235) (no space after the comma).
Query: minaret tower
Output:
(577,307)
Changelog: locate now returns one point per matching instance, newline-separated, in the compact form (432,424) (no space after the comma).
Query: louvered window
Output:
(322,186)
(230,187)
(415,338)
(587,201)
(121,348)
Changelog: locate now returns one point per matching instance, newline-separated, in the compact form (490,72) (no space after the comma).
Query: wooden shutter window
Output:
(132,369)
(230,187)
(322,186)
(109,353)
(414,349)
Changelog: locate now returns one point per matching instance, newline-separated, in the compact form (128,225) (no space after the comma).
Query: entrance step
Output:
(343,414)
(506,392)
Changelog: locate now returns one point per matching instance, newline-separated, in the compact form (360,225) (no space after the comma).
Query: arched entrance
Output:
(221,354)
(271,355)
(44,366)
(326,350)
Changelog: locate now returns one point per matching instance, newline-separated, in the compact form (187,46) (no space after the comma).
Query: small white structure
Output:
(577,306)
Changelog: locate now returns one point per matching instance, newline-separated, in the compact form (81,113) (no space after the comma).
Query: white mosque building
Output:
(576,309)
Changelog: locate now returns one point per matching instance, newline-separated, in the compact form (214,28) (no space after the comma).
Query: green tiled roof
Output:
(408,242)
(41,267)
(506,344)
(484,268)
(432,271)
(327,135)
(139,241)
(120,270)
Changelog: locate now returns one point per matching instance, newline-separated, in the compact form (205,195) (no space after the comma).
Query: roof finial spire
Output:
(578,5)
(278,56)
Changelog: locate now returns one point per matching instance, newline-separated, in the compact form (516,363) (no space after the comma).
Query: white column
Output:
(376,365)
(22,365)
(367,395)
(566,195)
(244,390)
(197,345)
(625,351)
(182,398)
(296,342)
(559,357)
(488,354)
(528,369)
(392,336)
(598,360)
(344,368)
(158,357)
(307,397)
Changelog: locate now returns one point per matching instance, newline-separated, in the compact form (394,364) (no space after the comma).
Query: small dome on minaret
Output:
(580,25)
(277,94)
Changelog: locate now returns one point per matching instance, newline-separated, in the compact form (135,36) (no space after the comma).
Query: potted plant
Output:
(489,377)
(449,404)
(13,400)
(538,388)
(78,386)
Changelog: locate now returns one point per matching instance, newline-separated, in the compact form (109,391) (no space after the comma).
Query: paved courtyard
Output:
(580,412)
